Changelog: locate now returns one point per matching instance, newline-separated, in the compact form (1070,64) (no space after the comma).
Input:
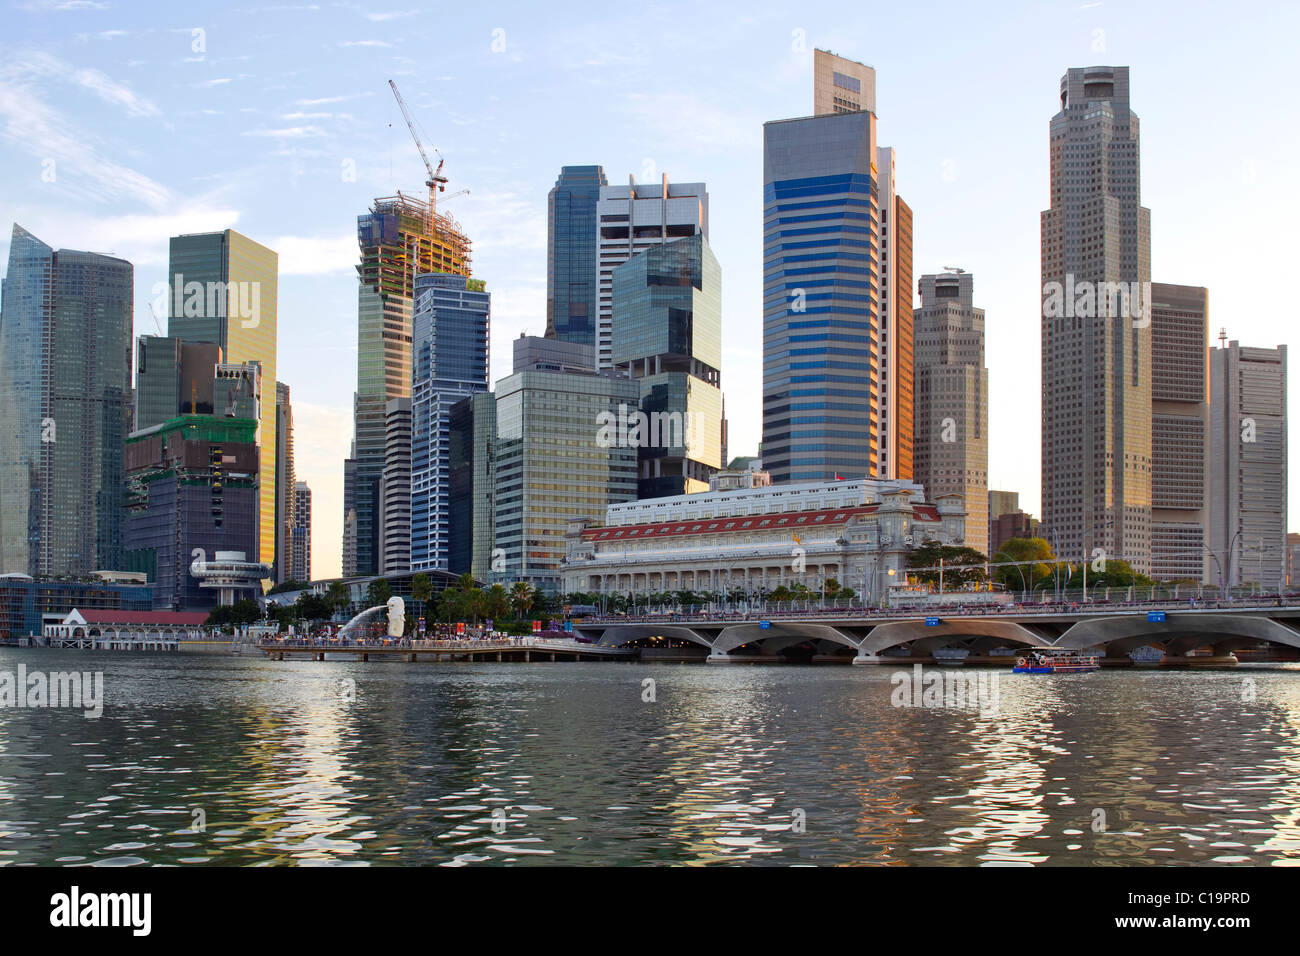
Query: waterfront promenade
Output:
(525,649)
(1185,633)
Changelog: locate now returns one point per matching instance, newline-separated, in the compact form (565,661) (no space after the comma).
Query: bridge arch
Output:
(1184,630)
(885,636)
(733,636)
(618,635)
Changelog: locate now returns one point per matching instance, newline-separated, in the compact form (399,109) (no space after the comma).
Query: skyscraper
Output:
(1180,411)
(452,316)
(841,85)
(821,307)
(471,498)
(952,399)
(224,291)
(65,386)
(400,238)
(284,481)
(632,219)
(1096,335)
(300,549)
(395,490)
(894,416)
(549,471)
(192,489)
(571,228)
(1248,464)
(667,336)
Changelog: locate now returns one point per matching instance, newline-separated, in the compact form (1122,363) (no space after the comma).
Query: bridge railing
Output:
(990,609)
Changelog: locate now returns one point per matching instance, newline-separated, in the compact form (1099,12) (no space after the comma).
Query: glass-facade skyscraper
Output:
(65,387)
(572,305)
(551,467)
(667,336)
(472,426)
(450,358)
(821,307)
(224,291)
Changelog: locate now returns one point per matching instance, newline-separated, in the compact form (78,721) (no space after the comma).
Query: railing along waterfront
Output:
(988,609)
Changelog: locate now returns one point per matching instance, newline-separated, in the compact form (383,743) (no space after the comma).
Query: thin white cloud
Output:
(58,6)
(36,65)
(287,132)
(219,81)
(29,124)
(380,43)
(325,100)
(380,16)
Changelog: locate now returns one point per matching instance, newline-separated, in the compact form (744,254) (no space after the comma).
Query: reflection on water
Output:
(236,761)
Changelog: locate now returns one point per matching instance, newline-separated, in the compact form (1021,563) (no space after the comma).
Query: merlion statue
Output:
(396,616)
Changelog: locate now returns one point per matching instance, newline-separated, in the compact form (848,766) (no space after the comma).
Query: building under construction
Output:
(400,238)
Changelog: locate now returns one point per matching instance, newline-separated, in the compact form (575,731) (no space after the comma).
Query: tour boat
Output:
(1051,660)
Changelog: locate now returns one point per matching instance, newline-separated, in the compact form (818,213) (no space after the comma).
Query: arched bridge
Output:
(1181,633)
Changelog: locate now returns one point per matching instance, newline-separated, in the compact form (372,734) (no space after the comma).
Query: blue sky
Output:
(151,129)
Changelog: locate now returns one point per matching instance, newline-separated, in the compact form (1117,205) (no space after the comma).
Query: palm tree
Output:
(496,602)
(521,596)
(781,593)
(338,596)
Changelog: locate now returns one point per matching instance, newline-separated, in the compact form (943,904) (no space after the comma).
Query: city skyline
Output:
(714,137)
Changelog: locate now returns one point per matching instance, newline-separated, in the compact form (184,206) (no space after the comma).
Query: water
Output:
(349,763)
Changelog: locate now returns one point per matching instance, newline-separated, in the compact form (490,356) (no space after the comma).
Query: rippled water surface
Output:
(202,760)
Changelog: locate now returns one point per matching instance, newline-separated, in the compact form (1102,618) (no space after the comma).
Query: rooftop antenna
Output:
(1223,337)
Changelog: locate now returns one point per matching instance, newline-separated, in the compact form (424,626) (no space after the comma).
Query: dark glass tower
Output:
(667,335)
(571,287)
(65,386)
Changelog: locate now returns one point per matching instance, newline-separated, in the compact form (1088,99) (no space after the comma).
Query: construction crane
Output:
(436,182)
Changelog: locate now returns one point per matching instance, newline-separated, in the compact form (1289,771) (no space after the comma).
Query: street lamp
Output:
(1016,565)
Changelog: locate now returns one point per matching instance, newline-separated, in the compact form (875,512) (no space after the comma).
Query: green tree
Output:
(378,592)
(313,607)
(1117,574)
(421,587)
(521,597)
(337,596)
(1035,562)
(962,566)
(781,593)
(496,602)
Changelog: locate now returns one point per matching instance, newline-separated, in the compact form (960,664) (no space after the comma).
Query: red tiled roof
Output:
(734,524)
(172,618)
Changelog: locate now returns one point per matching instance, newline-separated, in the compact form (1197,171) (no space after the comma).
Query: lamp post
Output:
(1016,565)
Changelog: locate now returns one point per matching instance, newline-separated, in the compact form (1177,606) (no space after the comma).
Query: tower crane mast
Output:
(436,182)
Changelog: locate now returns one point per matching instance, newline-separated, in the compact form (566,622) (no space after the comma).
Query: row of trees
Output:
(1027,564)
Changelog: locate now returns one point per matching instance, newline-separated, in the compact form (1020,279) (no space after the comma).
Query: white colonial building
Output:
(856,531)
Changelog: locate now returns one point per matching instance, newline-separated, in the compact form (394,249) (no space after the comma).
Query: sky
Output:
(122,124)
